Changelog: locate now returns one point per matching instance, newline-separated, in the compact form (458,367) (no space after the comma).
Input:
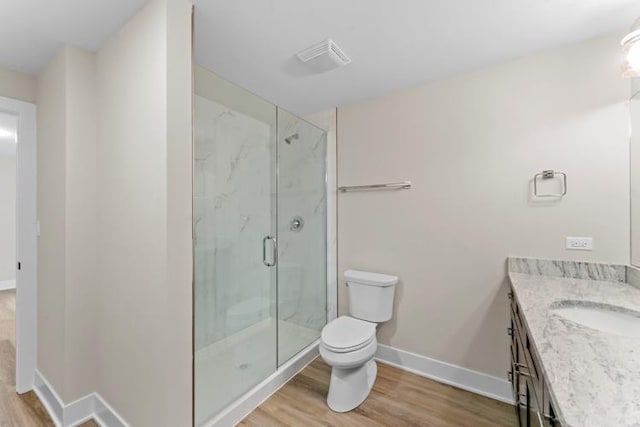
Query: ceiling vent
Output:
(324,56)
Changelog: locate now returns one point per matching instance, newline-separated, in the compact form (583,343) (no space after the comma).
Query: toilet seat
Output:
(346,334)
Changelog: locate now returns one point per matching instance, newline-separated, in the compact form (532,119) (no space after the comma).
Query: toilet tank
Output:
(370,295)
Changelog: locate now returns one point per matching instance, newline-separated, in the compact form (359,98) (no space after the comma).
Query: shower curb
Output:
(242,407)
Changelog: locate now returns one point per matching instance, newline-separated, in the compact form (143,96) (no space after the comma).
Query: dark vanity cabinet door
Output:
(517,374)
(535,413)
(530,393)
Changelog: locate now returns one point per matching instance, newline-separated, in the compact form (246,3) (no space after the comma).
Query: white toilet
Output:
(349,343)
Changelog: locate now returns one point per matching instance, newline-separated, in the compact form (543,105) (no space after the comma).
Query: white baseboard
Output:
(94,406)
(256,396)
(49,398)
(446,373)
(5,285)
(76,412)
(79,411)
(105,415)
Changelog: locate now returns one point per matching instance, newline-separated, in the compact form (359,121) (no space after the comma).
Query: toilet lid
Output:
(347,334)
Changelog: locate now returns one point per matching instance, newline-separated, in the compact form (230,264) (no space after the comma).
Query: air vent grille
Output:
(327,48)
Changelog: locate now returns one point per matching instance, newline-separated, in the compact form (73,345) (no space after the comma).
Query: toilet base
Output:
(349,387)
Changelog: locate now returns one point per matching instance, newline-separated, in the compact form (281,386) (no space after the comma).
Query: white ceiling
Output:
(32,31)
(393,43)
(8,129)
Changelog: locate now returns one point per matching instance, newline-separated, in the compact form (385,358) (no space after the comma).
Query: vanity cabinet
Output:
(530,392)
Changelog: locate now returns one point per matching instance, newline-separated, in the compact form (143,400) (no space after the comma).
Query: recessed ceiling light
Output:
(631,45)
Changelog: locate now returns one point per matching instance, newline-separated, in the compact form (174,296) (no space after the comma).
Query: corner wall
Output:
(66,210)
(177,327)
(471,145)
(144,216)
(51,122)
(131,241)
(114,202)
(81,223)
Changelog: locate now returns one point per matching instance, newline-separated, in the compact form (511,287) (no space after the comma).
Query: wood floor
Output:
(398,399)
(17,410)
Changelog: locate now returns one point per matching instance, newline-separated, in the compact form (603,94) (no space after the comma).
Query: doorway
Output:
(8,142)
(18,235)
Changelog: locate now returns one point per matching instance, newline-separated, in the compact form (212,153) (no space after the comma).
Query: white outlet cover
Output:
(579,243)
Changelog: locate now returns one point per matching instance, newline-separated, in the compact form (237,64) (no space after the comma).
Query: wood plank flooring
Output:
(398,399)
(17,410)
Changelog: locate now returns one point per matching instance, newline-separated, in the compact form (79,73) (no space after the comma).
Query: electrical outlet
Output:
(579,243)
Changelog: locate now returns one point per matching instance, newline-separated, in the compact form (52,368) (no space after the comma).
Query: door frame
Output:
(26,241)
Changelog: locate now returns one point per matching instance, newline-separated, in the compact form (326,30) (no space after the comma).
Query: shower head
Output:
(291,138)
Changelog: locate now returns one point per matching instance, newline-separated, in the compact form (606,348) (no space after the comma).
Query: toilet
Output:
(348,343)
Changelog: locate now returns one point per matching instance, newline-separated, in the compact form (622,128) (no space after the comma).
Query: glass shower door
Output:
(259,240)
(302,234)
(234,226)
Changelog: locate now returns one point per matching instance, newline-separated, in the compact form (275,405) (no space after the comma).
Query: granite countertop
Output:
(593,376)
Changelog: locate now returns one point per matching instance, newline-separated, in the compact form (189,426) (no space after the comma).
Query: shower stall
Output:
(260,235)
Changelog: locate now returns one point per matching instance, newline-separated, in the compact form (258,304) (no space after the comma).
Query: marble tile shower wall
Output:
(232,286)
(302,280)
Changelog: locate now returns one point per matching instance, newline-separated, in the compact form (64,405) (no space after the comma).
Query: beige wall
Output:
(81,221)
(66,210)
(114,194)
(7,217)
(471,145)
(144,217)
(177,327)
(131,215)
(51,122)
(17,85)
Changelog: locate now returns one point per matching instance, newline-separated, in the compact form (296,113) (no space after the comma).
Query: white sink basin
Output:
(603,317)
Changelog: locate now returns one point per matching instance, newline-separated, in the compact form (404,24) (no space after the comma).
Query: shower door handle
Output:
(274,247)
